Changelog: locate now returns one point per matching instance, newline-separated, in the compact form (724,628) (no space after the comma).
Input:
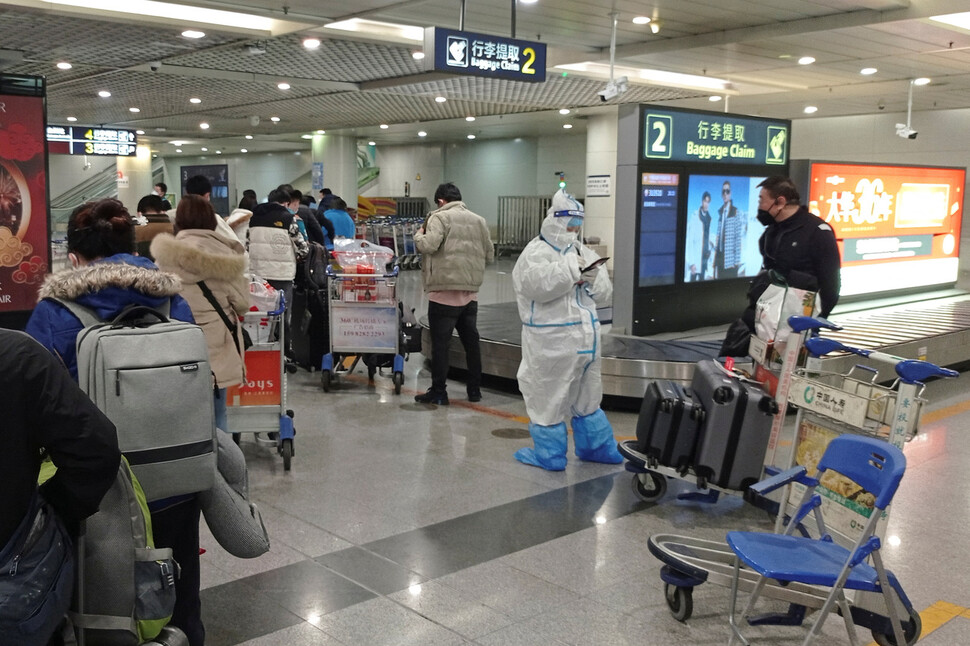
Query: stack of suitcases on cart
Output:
(717,428)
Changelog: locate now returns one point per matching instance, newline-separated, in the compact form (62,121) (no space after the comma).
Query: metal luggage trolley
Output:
(411,258)
(364,316)
(259,405)
(829,405)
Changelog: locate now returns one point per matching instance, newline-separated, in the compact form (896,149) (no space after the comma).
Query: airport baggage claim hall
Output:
(404,523)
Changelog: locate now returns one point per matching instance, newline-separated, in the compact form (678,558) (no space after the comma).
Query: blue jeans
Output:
(222,415)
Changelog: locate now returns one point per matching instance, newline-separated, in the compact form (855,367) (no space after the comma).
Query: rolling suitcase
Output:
(310,328)
(668,424)
(734,436)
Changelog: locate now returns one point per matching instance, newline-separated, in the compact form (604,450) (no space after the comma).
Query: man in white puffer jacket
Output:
(559,375)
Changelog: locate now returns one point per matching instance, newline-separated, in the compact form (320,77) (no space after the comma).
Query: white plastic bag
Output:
(262,295)
(776,304)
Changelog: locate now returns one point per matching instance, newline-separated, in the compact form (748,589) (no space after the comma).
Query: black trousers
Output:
(443,320)
(177,527)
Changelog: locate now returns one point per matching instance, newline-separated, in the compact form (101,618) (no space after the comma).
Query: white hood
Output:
(553,228)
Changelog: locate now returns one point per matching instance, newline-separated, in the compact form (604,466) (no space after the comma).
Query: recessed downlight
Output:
(422,133)
(193,33)
(714,98)
(283,86)
(806,60)
(469,118)
(921,81)
(371,143)
(195,99)
(470,136)
(306,136)
(243,150)
(72,119)
(564,111)
(249,136)
(104,94)
(204,125)
(311,43)
(440,99)
(274,119)
(384,126)
(139,132)
(567,126)
(64,65)
(321,132)
(418,55)
(641,20)
(810,109)
(868,71)
(178,150)
(134,109)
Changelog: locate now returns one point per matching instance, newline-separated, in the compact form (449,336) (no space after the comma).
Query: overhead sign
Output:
(463,52)
(89,140)
(686,136)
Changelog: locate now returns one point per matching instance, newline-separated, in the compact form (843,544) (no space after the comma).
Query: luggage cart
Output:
(364,319)
(259,405)
(412,259)
(829,404)
(650,478)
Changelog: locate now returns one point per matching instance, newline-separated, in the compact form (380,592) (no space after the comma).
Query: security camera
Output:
(613,89)
(254,120)
(906,132)
(155,65)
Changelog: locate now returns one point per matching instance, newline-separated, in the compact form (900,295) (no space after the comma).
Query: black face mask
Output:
(764,217)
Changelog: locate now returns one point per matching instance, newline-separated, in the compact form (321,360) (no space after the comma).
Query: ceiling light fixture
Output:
(306,136)
(274,119)
(564,111)
(469,118)
(921,81)
(178,150)
(385,30)
(714,98)
(655,77)
(218,152)
(249,136)
(193,33)
(72,119)
(528,1)
(810,109)
(186,13)
(205,150)
(134,109)
(868,71)
(371,143)
(470,136)
(418,55)
(139,132)
(204,125)
(321,132)
(195,100)
(567,126)
(104,94)
(641,20)
(178,142)
(243,150)
(655,26)
(422,133)
(384,126)
(311,43)
(283,86)
(64,65)
(440,99)
(806,60)
(961,20)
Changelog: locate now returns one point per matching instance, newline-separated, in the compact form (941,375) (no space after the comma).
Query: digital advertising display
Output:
(24,228)
(658,228)
(898,227)
(722,231)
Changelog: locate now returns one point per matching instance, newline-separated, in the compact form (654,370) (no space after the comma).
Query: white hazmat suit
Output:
(559,375)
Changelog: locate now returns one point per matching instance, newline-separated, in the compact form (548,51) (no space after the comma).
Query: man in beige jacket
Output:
(455,246)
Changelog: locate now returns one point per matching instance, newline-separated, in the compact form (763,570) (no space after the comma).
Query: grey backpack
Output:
(151,377)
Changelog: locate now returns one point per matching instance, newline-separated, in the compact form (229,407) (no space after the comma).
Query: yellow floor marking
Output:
(943,413)
(936,615)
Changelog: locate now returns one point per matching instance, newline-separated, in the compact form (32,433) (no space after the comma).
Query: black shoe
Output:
(475,395)
(432,397)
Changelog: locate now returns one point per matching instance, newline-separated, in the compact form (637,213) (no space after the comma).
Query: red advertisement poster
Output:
(897,226)
(262,387)
(24,236)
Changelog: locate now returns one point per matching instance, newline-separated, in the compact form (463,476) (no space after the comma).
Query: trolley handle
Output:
(282,306)
(874,371)
(819,346)
(914,371)
(802,323)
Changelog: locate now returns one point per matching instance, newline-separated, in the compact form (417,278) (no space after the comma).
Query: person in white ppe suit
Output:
(559,375)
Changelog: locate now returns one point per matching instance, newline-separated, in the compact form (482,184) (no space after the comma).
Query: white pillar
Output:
(601,160)
(134,176)
(339,157)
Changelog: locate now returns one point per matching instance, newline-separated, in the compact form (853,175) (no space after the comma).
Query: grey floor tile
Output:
(370,570)
(308,589)
(450,608)
(302,634)
(235,612)
(381,622)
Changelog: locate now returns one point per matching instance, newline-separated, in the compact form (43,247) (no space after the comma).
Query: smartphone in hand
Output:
(596,263)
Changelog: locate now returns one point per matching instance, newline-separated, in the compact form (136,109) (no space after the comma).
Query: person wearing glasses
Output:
(730,232)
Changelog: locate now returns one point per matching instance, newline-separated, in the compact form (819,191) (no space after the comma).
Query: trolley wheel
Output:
(287,452)
(912,629)
(398,382)
(325,380)
(680,600)
(649,486)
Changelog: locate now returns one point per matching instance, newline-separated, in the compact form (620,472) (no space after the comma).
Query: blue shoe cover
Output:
(594,440)
(550,447)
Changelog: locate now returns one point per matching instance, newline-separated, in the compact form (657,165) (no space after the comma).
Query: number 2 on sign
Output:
(527,66)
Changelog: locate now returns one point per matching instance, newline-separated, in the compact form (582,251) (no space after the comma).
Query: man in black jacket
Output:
(45,410)
(796,244)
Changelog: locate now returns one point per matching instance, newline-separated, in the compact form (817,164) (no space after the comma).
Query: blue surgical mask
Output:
(575,222)
(292,211)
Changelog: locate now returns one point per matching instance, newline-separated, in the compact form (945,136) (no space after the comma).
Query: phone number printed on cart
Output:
(373,327)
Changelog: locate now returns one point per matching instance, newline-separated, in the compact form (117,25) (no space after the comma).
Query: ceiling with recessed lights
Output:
(355,80)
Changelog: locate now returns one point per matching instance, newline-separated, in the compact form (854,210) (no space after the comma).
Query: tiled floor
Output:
(402,524)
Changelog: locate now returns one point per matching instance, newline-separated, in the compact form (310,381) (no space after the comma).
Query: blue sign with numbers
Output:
(685,136)
(463,52)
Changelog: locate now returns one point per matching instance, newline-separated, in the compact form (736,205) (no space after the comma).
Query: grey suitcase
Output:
(734,436)
(668,424)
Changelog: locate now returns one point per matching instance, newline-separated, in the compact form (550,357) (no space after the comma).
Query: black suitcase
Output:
(668,424)
(310,327)
(734,436)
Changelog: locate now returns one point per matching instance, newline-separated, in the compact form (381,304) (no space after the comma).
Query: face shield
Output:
(572,218)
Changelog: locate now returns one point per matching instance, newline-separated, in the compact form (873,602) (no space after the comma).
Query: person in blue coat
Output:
(107,277)
(343,224)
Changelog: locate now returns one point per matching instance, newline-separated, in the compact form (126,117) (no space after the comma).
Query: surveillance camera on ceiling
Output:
(254,120)
(613,89)
(906,132)
(155,66)
(255,49)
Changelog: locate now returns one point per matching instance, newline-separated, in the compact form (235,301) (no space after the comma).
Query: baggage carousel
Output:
(935,328)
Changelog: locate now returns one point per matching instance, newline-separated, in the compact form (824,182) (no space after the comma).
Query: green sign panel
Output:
(724,138)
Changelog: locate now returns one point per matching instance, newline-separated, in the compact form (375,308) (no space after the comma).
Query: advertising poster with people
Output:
(24,247)
(721,239)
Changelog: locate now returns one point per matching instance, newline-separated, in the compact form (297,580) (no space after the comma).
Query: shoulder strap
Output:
(209,296)
(84,314)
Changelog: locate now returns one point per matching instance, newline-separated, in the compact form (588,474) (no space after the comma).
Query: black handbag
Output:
(36,576)
(247,340)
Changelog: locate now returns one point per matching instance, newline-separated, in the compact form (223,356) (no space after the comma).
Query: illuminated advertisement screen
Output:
(24,239)
(721,236)
(898,227)
(658,228)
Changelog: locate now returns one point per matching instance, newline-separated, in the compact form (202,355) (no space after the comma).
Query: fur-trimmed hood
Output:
(196,255)
(119,272)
